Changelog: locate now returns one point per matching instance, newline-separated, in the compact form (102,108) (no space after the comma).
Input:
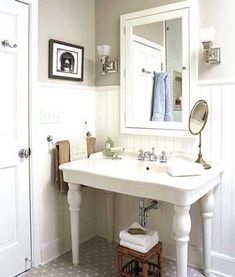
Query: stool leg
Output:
(119,264)
(145,268)
(160,258)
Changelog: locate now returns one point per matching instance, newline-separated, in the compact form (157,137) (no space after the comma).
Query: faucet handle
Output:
(141,155)
(163,158)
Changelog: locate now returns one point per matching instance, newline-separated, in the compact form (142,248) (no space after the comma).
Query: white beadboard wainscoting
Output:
(75,104)
(218,146)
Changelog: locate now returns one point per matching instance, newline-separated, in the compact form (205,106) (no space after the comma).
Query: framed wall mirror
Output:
(157,69)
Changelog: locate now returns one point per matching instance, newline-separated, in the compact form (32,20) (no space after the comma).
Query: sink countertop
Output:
(140,178)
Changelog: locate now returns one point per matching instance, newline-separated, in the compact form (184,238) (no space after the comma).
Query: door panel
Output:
(15,243)
(148,59)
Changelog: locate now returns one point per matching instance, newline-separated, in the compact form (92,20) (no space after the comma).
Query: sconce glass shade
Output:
(207,35)
(104,50)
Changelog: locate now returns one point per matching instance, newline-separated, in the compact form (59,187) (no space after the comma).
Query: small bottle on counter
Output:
(107,147)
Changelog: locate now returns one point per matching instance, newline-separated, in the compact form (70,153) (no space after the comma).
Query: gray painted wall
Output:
(107,29)
(71,21)
(92,22)
(216,13)
(152,32)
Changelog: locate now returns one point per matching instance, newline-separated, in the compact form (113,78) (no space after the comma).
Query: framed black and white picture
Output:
(66,60)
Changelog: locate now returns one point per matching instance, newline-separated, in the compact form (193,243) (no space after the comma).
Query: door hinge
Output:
(124,31)
(161,66)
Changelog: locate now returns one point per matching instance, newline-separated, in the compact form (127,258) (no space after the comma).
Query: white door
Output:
(15,243)
(147,58)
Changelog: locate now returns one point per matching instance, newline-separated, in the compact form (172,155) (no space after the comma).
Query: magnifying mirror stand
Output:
(200,159)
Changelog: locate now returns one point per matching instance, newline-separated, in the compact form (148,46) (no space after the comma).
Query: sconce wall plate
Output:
(212,55)
(112,67)
(107,65)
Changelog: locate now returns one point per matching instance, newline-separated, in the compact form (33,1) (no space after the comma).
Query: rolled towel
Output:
(147,239)
(184,168)
(138,248)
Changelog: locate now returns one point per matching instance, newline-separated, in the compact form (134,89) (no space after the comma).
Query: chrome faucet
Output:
(150,156)
(147,155)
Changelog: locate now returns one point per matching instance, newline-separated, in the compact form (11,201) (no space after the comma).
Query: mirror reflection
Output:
(157,71)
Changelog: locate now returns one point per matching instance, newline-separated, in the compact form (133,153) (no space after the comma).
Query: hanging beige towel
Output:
(62,155)
(90,145)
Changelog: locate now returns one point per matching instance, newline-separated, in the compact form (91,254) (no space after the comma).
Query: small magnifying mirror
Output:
(197,122)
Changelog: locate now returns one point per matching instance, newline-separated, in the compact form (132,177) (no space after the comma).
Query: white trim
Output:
(194,253)
(160,9)
(55,248)
(219,274)
(126,21)
(223,265)
(33,114)
(105,88)
(58,246)
(64,86)
(216,82)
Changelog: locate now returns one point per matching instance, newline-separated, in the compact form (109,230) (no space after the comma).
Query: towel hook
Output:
(6,43)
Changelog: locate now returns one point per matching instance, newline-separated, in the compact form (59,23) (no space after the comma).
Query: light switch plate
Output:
(50,117)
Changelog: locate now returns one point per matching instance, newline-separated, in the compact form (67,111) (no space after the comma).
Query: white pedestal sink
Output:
(149,180)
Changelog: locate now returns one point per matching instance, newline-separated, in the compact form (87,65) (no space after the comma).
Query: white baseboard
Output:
(53,249)
(222,265)
(219,274)
(57,247)
(195,256)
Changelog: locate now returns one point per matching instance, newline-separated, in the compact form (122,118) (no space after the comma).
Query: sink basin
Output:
(137,178)
(127,166)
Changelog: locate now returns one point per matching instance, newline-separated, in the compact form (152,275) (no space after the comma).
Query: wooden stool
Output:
(140,262)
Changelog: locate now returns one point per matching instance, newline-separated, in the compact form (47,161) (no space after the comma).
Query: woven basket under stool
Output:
(139,263)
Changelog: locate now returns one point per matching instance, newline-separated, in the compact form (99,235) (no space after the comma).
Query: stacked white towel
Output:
(140,243)
(180,167)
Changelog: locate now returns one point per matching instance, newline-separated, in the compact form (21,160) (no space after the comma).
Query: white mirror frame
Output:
(187,10)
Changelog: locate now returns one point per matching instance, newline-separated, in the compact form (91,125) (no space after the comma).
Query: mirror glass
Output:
(198,117)
(157,71)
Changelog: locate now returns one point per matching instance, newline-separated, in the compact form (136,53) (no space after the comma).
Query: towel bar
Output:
(50,140)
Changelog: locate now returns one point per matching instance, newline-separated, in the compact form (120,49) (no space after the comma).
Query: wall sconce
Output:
(107,66)
(212,55)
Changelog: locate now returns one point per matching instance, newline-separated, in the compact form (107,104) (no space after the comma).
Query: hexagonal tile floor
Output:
(97,258)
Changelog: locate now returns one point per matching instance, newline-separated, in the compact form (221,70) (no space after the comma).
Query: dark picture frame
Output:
(66,61)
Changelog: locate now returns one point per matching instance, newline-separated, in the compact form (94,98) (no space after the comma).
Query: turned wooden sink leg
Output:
(207,203)
(74,200)
(181,228)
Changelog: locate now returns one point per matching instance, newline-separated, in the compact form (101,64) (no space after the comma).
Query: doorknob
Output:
(24,153)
